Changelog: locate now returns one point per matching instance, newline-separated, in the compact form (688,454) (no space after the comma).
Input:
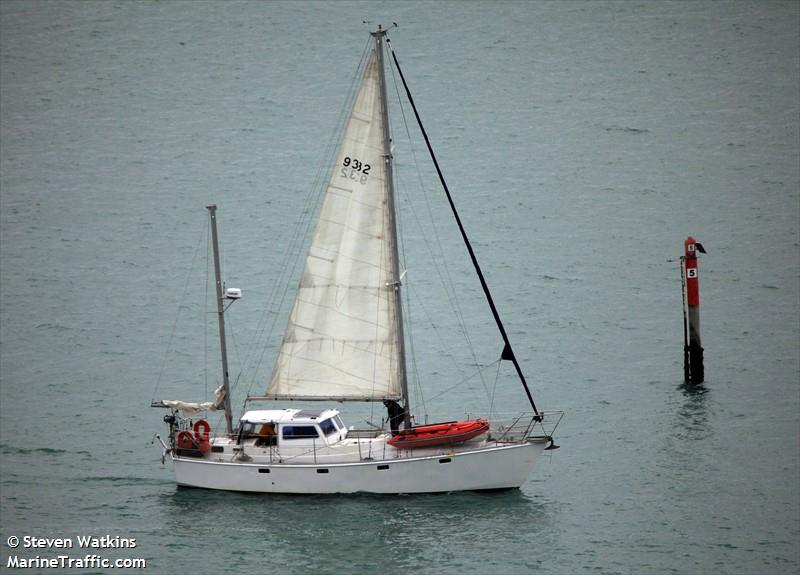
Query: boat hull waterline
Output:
(495,467)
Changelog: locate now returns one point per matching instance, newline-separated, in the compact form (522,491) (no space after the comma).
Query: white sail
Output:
(342,339)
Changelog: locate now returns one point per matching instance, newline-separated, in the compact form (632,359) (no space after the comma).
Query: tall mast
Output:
(212,212)
(387,155)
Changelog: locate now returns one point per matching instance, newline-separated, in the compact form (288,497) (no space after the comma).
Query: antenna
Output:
(369,22)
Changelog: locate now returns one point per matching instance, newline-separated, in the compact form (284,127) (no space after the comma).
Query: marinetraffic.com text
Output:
(90,558)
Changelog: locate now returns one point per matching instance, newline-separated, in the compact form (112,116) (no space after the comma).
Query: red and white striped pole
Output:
(693,370)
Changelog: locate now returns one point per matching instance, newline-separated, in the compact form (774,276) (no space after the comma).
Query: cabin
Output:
(292,427)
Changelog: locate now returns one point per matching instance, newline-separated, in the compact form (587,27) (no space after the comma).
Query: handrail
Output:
(522,427)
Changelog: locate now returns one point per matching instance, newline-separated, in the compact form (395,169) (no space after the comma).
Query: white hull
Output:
(496,467)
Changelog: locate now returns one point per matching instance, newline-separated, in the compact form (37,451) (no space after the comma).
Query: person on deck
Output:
(266,435)
(396,414)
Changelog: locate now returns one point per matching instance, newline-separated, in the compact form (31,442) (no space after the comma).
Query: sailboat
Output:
(345,342)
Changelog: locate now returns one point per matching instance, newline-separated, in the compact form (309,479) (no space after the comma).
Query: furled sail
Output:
(342,340)
(189,409)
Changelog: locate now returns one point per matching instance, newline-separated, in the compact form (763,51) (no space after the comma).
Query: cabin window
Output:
(327,427)
(300,432)
(339,422)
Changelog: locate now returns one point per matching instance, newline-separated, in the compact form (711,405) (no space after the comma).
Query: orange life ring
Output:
(185,440)
(201,436)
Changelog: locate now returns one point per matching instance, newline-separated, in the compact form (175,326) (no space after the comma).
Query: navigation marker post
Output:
(693,371)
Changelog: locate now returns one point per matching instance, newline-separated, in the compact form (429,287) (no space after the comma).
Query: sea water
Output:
(583,141)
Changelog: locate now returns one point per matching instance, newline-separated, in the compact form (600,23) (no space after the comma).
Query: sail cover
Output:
(342,337)
(189,409)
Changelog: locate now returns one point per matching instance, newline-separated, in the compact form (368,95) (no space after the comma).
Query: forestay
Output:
(343,339)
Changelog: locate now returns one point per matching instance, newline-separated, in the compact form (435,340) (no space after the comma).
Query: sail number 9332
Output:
(354,169)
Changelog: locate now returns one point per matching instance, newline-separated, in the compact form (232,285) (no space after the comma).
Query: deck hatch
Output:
(309,413)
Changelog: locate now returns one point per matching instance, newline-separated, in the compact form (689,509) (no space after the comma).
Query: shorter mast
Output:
(212,212)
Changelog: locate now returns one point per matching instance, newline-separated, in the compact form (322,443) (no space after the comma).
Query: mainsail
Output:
(344,338)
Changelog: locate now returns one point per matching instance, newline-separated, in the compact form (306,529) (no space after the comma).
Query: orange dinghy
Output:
(439,433)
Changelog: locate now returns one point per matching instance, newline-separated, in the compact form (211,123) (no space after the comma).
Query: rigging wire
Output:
(508,352)
(459,317)
(178,313)
(445,279)
(465,380)
(299,237)
(407,316)
(490,395)
(494,389)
